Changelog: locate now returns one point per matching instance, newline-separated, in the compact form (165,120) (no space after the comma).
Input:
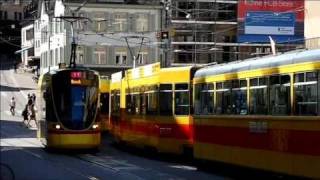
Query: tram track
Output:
(43,158)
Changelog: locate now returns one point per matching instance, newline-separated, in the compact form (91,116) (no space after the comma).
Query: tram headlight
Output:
(58,126)
(95,126)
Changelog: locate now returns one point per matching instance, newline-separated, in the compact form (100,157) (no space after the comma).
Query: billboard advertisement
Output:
(280,19)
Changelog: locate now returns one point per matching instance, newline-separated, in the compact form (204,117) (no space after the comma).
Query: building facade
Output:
(218,31)
(12,12)
(311,25)
(109,36)
(27,43)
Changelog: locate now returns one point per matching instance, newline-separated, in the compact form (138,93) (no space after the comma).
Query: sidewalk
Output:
(25,83)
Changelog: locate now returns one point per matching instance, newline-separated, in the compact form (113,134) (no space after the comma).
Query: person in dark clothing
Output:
(32,114)
(15,66)
(30,102)
(25,114)
(33,98)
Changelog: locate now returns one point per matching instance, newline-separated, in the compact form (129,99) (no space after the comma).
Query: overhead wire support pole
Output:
(134,58)
(71,19)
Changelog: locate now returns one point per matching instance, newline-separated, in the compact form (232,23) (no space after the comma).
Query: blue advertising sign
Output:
(269,23)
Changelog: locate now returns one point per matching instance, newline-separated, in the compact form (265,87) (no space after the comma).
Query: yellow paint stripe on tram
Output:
(73,140)
(301,165)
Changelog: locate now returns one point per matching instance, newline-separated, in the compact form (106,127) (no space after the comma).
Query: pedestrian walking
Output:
(12,106)
(29,100)
(32,114)
(25,114)
(33,98)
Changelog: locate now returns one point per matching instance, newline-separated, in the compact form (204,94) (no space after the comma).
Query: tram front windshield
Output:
(75,100)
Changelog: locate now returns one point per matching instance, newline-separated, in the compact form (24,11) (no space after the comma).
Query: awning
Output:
(23,49)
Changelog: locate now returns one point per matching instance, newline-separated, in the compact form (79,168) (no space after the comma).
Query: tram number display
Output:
(81,78)
(258,127)
(76,75)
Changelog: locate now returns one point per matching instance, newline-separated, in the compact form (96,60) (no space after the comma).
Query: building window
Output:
(55,57)
(121,58)
(142,57)
(29,34)
(61,54)
(61,26)
(58,56)
(99,56)
(57,26)
(51,58)
(20,15)
(80,55)
(15,16)
(79,25)
(5,15)
(53,26)
(120,22)
(1,14)
(99,22)
(142,23)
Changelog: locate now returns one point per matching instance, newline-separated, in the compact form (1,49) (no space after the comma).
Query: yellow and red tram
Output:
(261,113)
(68,103)
(154,108)
(104,112)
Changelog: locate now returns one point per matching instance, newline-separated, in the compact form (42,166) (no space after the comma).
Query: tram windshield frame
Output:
(75,96)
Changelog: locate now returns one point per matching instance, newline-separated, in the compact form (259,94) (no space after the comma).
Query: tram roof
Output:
(259,63)
(54,71)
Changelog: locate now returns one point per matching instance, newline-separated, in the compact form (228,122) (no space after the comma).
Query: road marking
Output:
(109,162)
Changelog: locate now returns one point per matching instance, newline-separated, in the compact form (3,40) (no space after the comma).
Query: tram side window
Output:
(204,99)
(115,102)
(151,100)
(223,93)
(129,103)
(279,95)
(136,103)
(104,100)
(165,99)
(306,93)
(239,97)
(181,99)
(258,96)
